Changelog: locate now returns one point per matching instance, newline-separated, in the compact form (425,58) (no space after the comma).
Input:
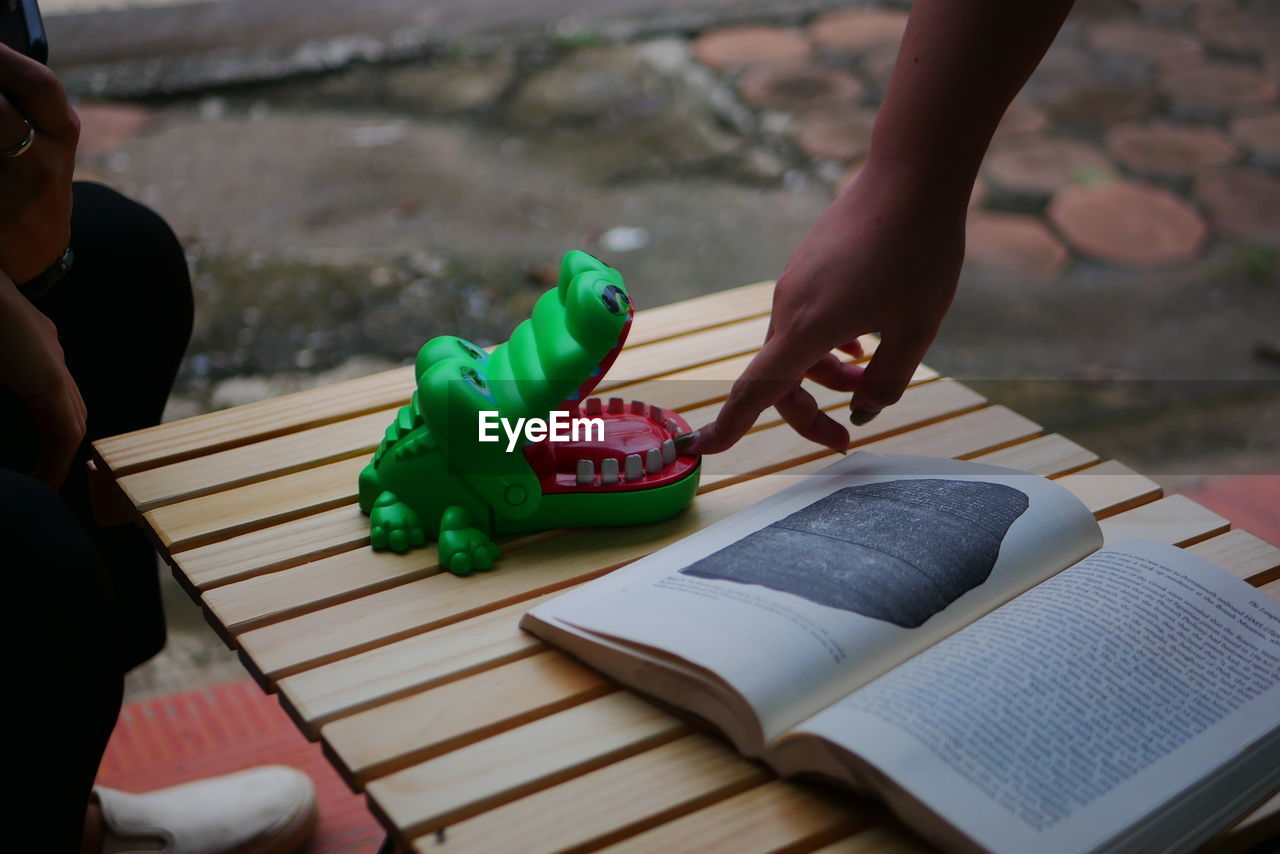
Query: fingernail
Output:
(684,440)
(862,416)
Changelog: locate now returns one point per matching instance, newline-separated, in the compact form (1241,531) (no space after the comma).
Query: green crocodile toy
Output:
(433,476)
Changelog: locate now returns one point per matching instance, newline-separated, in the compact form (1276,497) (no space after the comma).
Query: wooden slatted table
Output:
(467,734)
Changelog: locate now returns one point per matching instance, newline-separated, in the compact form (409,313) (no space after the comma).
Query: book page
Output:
(1069,714)
(799,599)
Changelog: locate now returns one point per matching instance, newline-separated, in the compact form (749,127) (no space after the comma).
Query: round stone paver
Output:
(858,29)
(1014,244)
(1019,120)
(1127,223)
(1037,167)
(797,86)
(1169,150)
(1210,89)
(1147,43)
(1260,135)
(1243,203)
(738,46)
(1094,104)
(843,135)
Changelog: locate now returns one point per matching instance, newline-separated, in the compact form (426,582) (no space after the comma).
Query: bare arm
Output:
(885,256)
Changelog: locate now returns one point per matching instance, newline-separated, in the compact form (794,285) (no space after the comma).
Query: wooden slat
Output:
(264,419)
(276,547)
(608,804)
(771,450)
(663,357)
(1272,589)
(265,599)
(1176,520)
(315,697)
(1097,485)
(471,779)
(778,816)
(258,461)
(245,508)
(1242,554)
(399,733)
(1050,456)
(311,639)
(709,382)
(690,315)
(836,402)
(214,431)
(889,838)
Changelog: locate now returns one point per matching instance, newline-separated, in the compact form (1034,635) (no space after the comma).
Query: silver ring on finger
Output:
(21,148)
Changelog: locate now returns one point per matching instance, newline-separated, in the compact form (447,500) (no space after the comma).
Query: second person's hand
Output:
(883,258)
(35,186)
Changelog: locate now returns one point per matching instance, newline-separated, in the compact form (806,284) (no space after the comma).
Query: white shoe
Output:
(267,810)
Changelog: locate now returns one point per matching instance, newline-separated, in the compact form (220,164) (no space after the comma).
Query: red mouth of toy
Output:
(636,452)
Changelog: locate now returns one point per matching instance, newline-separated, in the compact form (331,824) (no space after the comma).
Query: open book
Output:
(949,636)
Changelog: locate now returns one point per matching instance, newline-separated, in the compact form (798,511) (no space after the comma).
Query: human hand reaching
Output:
(35,186)
(35,227)
(884,257)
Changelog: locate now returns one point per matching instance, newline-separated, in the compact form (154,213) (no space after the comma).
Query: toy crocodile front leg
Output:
(463,547)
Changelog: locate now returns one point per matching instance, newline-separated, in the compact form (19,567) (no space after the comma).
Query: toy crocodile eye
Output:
(472,376)
(615,299)
(472,353)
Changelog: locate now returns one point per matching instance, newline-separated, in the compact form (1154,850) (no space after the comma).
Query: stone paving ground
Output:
(1122,283)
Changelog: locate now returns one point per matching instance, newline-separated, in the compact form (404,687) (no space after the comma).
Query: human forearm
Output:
(960,64)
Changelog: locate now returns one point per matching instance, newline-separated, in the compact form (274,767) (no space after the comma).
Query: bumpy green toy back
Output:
(509,442)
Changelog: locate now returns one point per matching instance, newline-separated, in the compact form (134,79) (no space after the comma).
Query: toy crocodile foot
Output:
(464,548)
(394,524)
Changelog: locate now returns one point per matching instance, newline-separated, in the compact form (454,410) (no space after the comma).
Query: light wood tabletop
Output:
(467,734)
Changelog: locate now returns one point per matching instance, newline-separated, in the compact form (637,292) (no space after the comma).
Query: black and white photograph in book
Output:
(898,551)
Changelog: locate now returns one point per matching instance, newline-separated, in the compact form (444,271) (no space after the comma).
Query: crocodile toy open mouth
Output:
(433,475)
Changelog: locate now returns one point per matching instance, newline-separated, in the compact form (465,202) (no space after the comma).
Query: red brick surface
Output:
(1251,502)
(226,728)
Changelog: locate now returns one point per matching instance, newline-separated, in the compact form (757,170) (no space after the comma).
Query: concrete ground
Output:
(352,181)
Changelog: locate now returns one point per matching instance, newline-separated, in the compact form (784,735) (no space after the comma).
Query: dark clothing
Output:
(90,595)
